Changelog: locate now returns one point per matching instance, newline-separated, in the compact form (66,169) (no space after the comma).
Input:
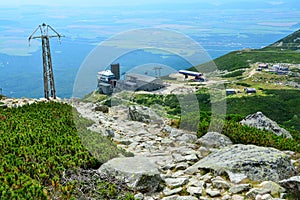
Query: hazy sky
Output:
(90,19)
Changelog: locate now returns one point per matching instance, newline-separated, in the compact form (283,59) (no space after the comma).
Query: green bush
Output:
(38,142)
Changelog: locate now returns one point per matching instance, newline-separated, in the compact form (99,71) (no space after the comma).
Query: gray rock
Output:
(138,172)
(237,197)
(264,197)
(144,114)
(173,197)
(139,196)
(252,193)
(214,140)
(176,133)
(187,138)
(292,184)
(108,132)
(187,198)
(176,182)
(273,187)
(226,197)
(177,197)
(260,121)
(213,193)
(239,188)
(191,157)
(102,108)
(194,190)
(181,166)
(220,184)
(257,163)
(168,191)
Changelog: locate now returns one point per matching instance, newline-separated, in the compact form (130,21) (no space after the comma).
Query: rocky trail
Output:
(169,163)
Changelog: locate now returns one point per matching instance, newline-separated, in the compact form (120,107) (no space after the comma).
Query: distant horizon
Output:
(218,26)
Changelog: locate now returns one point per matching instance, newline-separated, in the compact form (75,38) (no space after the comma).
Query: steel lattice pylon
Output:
(47,61)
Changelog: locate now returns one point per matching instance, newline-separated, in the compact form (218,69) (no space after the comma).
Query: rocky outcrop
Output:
(260,121)
(214,140)
(138,172)
(101,108)
(143,114)
(241,161)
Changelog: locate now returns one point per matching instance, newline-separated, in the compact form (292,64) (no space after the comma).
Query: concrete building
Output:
(135,81)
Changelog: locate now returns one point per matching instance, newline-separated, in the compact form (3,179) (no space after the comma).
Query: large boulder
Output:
(214,140)
(138,172)
(144,114)
(260,121)
(241,161)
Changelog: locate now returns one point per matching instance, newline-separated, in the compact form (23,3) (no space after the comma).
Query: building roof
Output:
(106,73)
(141,77)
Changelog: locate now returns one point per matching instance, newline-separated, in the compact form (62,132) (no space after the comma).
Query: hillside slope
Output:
(285,50)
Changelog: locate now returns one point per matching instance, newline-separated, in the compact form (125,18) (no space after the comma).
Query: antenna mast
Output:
(47,61)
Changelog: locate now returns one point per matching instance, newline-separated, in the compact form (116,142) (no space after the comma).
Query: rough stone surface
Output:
(139,173)
(260,121)
(194,190)
(214,140)
(273,187)
(102,108)
(257,163)
(171,151)
(168,191)
(143,114)
(239,188)
(175,182)
(291,184)
(213,193)
(257,191)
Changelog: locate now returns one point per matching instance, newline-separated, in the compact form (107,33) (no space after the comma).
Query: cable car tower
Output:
(47,61)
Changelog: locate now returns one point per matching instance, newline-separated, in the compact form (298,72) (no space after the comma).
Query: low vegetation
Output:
(39,142)
(279,105)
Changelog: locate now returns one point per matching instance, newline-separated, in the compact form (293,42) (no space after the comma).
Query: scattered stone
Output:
(102,108)
(173,197)
(257,163)
(252,193)
(213,193)
(144,114)
(181,166)
(274,187)
(239,188)
(220,184)
(138,172)
(194,190)
(214,140)
(139,196)
(263,197)
(191,158)
(187,138)
(176,182)
(176,133)
(167,191)
(237,197)
(186,198)
(292,184)
(226,197)
(260,121)
(204,151)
